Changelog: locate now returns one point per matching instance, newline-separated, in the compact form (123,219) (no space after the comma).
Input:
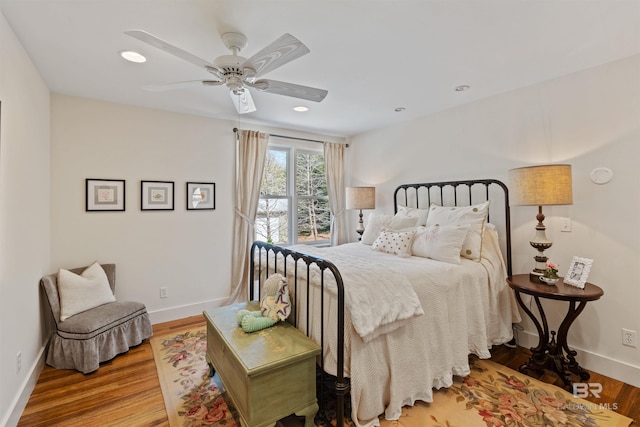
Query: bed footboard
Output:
(265,258)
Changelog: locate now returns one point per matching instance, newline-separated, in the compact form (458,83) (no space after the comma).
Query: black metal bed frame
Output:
(445,192)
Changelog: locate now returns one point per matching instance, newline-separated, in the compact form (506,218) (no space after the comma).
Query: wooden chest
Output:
(269,374)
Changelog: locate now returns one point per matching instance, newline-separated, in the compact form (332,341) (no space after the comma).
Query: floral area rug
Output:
(191,397)
(491,396)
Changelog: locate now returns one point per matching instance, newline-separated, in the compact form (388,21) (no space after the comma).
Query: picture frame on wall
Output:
(579,269)
(104,195)
(201,196)
(156,195)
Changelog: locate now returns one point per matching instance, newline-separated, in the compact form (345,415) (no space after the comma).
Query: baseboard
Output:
(26,388)
(612,368)
(182,311)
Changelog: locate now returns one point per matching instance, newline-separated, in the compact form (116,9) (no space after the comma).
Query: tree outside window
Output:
(293,177)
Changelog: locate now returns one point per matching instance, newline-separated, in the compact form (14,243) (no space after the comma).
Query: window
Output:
(293,206)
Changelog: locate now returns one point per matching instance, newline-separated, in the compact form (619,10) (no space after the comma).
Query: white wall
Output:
(588,119)
(186,251)
(25,242)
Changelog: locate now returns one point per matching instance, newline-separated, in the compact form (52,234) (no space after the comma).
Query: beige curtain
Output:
(250,156)
(334,166)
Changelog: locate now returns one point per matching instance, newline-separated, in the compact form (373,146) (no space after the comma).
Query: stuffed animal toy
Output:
(274,306)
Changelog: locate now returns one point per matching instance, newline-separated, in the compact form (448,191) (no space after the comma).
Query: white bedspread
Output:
(467,308)
(379,298)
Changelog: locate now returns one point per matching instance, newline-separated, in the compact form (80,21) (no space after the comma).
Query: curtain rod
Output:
(235,130)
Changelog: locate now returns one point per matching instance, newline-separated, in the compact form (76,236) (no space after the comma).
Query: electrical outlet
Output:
(629,338)
(164,292)
(565,224)
(18,362)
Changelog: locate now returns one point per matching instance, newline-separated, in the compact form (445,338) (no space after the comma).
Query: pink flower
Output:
(550,401)
(180,356)
(214,415)
(510,413)
(515,383)
(470,381)
(490,419)
(196,412)
(507,400)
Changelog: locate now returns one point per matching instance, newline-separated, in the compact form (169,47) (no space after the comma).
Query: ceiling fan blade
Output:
(173,50)
(243,101)
(294,90)
(181,85)
(285,49)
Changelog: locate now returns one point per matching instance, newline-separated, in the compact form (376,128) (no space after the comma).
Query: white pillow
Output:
(440,242)
(394,242)
(82,292)
(475,216)
(374,225)
(421,214)
(402,223)
(379,222)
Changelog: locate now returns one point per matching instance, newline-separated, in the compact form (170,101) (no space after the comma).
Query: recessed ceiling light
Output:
(399,109)
(301,108)
(462,88)
(132,56)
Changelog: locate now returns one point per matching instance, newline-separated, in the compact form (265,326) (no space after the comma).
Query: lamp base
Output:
(535,276)
(360,228)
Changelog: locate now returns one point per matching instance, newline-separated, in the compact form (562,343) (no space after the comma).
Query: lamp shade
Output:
(361,197)
(541,185)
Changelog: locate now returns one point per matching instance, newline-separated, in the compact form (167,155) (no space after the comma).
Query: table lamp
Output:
(361,198)
(541,186)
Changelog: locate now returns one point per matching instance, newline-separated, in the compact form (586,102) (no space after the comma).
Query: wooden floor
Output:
(126,390)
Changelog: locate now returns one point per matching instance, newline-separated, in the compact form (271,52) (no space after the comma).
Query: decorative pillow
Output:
(394,242)
(421,214)
(82,292)
(374,225)
(440,242)
(475,216)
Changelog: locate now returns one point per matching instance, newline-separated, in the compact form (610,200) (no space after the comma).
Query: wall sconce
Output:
(541,186)
(361,198)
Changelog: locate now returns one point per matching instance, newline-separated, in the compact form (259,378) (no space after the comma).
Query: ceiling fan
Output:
(238,73)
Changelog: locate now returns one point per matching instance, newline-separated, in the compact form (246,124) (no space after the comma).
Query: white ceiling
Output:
(371,55)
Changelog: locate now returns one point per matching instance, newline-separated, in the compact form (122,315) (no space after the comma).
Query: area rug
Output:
(492,395)
(191,397)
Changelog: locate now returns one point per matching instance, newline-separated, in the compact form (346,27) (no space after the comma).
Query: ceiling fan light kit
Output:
(239,73)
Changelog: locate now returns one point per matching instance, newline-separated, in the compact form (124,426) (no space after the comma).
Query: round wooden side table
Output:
(552,352)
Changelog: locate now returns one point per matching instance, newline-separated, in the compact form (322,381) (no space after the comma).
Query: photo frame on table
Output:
(156,195)
(201,196)
(579,269)
(104,195)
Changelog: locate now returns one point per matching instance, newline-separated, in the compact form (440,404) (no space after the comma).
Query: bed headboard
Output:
(463,193)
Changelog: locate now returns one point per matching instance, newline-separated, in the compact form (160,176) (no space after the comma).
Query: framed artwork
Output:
(104,194)
(579,269)
(156,195)
(201,195)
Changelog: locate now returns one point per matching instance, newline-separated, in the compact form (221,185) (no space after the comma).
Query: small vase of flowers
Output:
(550,274)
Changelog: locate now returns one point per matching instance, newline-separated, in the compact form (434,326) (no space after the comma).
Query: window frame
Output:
(293,149)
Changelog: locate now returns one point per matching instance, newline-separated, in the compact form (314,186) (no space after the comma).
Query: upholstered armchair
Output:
(83,340)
